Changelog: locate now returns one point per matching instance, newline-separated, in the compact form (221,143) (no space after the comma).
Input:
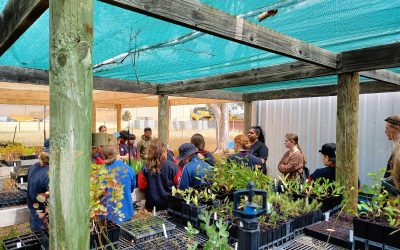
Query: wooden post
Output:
(94,114)
(347,134)
(119,117)
(163,118)
(71,99)
(247,117)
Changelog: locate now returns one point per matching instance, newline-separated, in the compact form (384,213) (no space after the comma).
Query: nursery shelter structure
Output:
(211,49)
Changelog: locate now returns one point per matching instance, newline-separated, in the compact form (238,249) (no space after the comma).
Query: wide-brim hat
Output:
(186,150)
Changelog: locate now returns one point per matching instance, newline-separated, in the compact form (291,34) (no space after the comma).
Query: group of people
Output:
(163,171)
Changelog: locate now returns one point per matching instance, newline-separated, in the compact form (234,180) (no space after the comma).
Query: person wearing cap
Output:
(124,175)
(38,183)
(195,170)
(243,155)
(123,145)
(143,145)
(328,152)
(392,131)
(158,176)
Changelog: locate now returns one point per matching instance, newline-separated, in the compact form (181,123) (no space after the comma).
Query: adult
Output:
(293,161)
(103,129)
(125,176)
(257,145)
(143,145)
(392,131)
(132,147)
(38,183)
(198,141)
(243,155)
(328,152)
(195,170)
(158,176)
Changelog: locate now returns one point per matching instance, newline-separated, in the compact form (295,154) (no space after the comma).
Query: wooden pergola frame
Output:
(312,61)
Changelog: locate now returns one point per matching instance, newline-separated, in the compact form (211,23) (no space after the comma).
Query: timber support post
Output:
(247,116)
(347,134)
(163,118)
(94,114)
(119,116)
(71,99)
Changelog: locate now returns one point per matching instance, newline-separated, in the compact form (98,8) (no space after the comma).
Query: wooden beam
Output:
(94,116)
(198,16)
(163,118)
(366,87)
(347,135)
(247,116)
(41,77)
(377,57)
(23,101)
(119,117)
(212,94)
(263,75)
(16,18)
(71,100)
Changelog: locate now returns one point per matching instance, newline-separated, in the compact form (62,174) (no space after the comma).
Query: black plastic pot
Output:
(360,227)
(27,241)
(28,157)
(376,232)
(392,239)
(175,203)
(110,236)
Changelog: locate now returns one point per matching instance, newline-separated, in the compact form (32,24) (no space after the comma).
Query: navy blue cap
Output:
(329,149)
(185,150)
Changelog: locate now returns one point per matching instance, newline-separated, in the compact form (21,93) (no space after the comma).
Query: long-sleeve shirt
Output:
(126,176)
(246,158)
(158,186)
(260,150)
(194,172)
(292,164)
(38,183)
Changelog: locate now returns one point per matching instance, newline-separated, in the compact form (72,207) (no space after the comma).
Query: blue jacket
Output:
(38,183)
(194,172)
(126,176)
(246,158)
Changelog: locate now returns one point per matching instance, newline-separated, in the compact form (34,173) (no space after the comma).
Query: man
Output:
(328,152)
(392,132)
(123,145)
(143,145)
(38,183)
(195,169)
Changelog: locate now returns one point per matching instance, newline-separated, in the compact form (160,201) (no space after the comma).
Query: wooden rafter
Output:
(16,18)
(371,58)
(366,87)
(198,16)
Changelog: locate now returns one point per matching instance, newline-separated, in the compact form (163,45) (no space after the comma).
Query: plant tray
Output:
(28,157)
(109,238)
(324,231)
(141,230)
(27,241)
(13,198)
(11,163)
(172,243)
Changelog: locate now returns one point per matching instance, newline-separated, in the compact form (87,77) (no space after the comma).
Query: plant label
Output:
(283,189)
(326,216)
(301,188)
(351,235)
(154,211)
(215,216)
(22,180)
(307,202)
(19,245)
(15,164)
(240,224)
(236,245)
(269,207)
(165,230)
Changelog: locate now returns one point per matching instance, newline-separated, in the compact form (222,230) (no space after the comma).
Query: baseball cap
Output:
(329,149)
(185,150)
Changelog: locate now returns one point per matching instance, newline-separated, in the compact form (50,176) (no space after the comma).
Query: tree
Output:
(126,116)
(221,115)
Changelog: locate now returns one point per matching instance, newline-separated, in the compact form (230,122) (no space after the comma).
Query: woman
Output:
(124,175)
(257,145)
(158,176)
(199,142)
(243,155)
(293,161)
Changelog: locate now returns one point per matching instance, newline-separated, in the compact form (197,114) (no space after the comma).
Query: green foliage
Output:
(137,165)
(126,116)
(217,233)
(192,232)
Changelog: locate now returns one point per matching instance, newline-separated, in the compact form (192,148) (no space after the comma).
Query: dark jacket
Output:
(38,183)
(208,157)
(245,157)
(389,166)
(326,172)
(260,150)
(158,186)
(193,173)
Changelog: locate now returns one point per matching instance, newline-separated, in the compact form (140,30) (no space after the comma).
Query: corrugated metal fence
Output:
(314,120)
